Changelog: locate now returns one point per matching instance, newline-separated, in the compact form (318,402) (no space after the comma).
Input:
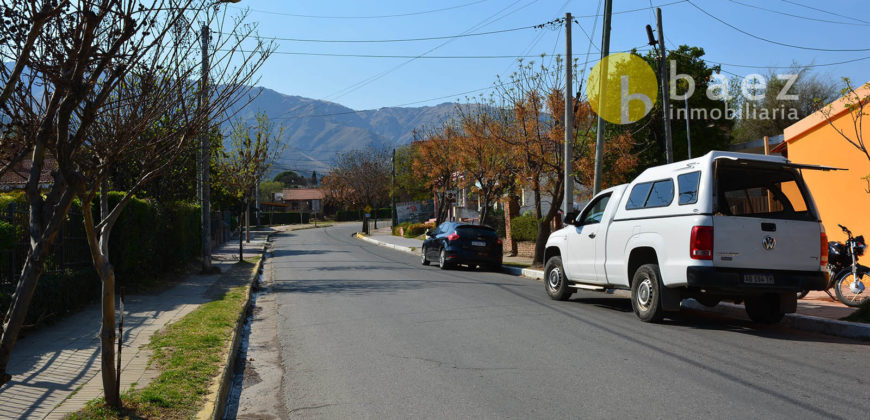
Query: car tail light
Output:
(453,236)
(498,241)
(701,243)
(823,255)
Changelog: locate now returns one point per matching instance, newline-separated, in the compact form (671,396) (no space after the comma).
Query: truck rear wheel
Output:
(764,309)
(555,280)
(646,297)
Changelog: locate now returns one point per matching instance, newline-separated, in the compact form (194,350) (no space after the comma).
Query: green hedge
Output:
(291,218)
(148,241)
(353,215)
(525,227)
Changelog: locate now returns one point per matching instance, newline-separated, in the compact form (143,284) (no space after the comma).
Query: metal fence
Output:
(71,249)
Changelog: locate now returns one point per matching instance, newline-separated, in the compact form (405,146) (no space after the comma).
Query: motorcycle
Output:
(846,275)
(850,282)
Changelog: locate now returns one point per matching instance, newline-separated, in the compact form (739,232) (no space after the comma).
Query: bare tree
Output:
(359,178)
(855,101)
(114,84)
(251,152)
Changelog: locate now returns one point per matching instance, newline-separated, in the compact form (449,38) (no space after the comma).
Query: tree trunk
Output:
(247,222)
(98,246)
(241,245)
(544,227)
(17,312)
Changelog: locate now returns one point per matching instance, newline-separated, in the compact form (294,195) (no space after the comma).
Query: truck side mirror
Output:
(569,217)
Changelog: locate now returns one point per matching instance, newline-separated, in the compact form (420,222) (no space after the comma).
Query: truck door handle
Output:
(592,235)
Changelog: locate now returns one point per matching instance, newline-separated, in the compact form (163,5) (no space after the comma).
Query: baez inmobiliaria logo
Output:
(631,89)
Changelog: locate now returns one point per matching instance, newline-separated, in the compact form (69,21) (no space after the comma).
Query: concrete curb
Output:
(387,245)
(799,322)
(216,401)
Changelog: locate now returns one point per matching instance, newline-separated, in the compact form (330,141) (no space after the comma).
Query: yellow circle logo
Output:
(630,88)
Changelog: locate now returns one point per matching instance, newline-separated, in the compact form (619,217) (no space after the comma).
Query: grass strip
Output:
(188,353)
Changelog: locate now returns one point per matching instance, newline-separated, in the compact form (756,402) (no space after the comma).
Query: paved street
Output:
(361,331)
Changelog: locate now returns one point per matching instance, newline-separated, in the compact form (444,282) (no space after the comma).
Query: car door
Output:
(582,242)
(432,243)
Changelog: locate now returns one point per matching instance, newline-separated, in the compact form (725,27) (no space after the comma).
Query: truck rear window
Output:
(766,192)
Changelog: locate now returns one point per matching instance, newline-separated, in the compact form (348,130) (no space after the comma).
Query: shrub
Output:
(416,229)
(525,227)
(7,235)
(348,215)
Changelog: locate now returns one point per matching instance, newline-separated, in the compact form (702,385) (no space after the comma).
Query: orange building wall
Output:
(841,196)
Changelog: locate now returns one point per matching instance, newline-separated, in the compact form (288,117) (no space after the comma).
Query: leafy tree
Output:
(290,179)
(268,189)
(409,186)
(359,178)
(707,133)
(251,151)
(782,103)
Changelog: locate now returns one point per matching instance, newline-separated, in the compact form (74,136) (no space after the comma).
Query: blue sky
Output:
(833,24)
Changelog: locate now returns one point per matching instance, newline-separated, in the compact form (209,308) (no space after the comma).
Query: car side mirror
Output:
(430,233)
(570,217)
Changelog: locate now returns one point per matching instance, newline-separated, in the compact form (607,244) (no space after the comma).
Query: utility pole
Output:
(393,215)
(602,77)
(568,199)
(666,99)
(257,203)
(205,158)
(688,133)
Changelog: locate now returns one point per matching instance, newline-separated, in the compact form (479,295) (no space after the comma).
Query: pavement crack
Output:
(313,407)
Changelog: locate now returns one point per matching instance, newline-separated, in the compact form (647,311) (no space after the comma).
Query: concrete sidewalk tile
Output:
(56,369)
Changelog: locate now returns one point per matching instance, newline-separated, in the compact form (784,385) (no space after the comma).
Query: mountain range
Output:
(316,130)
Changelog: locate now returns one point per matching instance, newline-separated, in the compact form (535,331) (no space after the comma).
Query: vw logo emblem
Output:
(768,242)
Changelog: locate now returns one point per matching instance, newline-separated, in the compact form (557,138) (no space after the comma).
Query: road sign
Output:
(367,209)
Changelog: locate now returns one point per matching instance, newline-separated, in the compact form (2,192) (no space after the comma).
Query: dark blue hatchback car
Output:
(455,243)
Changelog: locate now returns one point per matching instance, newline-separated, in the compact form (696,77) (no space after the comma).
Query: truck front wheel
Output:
(555,280)
(646,297)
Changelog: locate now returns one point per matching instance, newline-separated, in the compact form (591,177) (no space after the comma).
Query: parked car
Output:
(724,226)
(454,243)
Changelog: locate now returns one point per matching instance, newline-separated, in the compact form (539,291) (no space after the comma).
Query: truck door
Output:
(583,242)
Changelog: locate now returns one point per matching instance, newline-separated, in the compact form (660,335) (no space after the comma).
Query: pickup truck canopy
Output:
(785,164)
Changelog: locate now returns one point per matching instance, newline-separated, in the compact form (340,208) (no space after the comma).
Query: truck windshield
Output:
(761,191)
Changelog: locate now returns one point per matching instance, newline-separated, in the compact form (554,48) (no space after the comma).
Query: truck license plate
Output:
(758,278)
(478,243)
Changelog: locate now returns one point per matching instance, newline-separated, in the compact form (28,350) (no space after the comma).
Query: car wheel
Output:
(442,260)
(555,281)
(764,309)
(646,299)
(423,259)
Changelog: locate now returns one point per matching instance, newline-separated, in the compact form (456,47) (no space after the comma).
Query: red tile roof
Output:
(16,176)
(298,194)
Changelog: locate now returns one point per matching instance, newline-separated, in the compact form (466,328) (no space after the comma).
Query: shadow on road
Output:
(350,287)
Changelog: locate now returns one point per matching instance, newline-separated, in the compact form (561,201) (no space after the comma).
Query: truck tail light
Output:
(823,255)
(453,236)
(701,243)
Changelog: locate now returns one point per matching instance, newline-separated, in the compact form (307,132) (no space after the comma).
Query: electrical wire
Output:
(772,41)
(823,11)
(797,16)
(438,57)
(640,9)
(367,17)
(463,35)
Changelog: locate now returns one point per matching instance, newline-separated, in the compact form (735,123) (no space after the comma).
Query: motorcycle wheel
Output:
(843,288)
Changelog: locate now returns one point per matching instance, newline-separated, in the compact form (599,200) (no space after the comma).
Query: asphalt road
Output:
(346,329)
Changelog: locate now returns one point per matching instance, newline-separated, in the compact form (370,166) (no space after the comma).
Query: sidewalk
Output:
(816,312)
(55,370)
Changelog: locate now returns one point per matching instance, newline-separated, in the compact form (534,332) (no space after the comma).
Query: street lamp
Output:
(204,153)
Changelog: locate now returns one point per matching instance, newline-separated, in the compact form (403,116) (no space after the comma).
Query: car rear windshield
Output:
(763,191)
(475,230)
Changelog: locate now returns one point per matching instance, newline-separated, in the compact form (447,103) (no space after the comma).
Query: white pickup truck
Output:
(724,226)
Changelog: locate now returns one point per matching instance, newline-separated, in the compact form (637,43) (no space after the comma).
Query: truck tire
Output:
(646,297)
(764,309)
(555,281)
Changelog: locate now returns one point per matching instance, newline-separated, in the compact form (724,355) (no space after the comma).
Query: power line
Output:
(463,35)
(823,11)
(640,9)
(368,17)
(769,40)
(797,16)
(438,57)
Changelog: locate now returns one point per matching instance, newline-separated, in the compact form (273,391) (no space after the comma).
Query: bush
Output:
(348,215)
(414,230)
(285,218)
(525,227)
(7,235)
